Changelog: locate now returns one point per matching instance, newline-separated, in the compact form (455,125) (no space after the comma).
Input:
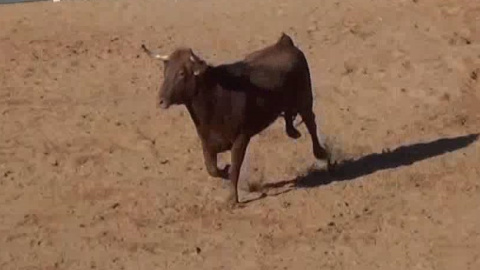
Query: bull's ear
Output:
(199,65)
(200,69)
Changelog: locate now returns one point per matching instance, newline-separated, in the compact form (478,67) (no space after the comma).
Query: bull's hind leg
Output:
(308,118)
(292,132)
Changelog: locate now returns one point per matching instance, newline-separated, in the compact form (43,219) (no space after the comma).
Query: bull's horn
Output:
(155,55)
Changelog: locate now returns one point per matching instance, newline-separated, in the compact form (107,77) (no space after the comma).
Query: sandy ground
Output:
(94,176)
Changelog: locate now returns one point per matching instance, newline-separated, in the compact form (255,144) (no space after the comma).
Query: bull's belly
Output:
(226,124)
(260,118)
(219,141)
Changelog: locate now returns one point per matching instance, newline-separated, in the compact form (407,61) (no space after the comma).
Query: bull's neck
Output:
(195,113)
(199,105)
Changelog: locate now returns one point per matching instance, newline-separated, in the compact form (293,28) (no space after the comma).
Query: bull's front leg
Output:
(210,159)
(239,149)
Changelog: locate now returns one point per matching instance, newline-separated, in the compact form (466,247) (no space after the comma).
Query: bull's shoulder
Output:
(236,69)
(231,76)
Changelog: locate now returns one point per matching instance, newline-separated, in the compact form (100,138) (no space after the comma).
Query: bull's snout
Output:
(162,100)
(163,104)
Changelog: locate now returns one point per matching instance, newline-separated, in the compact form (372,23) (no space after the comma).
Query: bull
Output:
(230,103)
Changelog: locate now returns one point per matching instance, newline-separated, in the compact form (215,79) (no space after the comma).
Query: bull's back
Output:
(277,66)
(283,55)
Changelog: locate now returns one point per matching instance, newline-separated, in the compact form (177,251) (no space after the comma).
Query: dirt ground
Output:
(94,176)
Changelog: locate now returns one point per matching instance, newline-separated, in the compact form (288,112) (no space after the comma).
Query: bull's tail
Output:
(285,40)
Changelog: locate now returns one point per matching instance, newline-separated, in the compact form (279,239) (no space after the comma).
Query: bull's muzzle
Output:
(163,103)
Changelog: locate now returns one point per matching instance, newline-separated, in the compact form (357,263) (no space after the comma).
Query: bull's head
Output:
(182,70)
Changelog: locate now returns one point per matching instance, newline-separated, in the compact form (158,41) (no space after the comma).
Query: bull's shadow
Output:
(402,156)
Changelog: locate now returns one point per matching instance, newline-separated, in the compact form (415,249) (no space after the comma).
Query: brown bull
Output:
(231,103)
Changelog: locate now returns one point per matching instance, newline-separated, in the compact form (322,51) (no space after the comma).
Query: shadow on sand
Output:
(402,156)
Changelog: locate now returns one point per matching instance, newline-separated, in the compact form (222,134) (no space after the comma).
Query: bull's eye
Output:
(181,73)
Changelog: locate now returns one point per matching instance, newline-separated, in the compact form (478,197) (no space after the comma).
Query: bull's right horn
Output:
(155,55)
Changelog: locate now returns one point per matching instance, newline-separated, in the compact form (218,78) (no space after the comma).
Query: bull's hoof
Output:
(237,205)
(225,172)
(331,166)
(216,173)
(321,153)
(232,201)
(293,133)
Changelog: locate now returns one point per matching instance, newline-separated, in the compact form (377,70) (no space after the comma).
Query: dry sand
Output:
(94,176)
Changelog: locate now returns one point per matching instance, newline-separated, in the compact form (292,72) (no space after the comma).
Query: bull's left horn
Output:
(155,55)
